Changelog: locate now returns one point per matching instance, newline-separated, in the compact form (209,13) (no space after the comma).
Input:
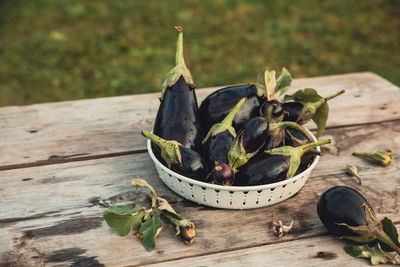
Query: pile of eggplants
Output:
(240,135)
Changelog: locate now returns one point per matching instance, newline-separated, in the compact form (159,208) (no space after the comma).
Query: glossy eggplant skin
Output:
(276,108)
(192,166)
(292,111)
(177,117)
(222,174)
(254,134)
(216,148)
(263,169)
(341,204)
(217,105)
(296,134)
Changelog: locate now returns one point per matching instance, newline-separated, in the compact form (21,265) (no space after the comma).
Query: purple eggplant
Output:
(222,174)
(217,105)
(178,158)
(308,105)
(258,134)
(294,137)
(177,117)
(273,165)
(220,137)
(347,214)
(272,110)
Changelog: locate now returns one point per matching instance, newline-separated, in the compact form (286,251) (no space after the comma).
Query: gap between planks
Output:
(83,157)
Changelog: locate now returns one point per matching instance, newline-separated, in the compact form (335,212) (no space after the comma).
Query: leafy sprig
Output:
(148,223)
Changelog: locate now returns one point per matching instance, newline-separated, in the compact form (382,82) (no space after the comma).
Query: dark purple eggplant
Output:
(177,117)
(219,139)
(308,105)
(346,213)
(294,137)
(222,174)
(273,165)
(257,134)
(178,158)
(272,110)
(218,104)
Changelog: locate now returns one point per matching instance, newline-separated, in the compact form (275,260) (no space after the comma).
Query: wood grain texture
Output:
(52,214)
(66,131)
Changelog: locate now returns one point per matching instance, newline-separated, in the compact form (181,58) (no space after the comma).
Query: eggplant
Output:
(219,138)
(294,137)
(272,110)
(273,165)
(178,158)
(177,117)
(347,214)
(307,104)
(218,104)
(222,174)
(258,134)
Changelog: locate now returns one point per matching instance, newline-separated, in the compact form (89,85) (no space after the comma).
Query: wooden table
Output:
(62,163)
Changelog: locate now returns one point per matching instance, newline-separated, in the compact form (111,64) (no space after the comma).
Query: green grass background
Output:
(69,49)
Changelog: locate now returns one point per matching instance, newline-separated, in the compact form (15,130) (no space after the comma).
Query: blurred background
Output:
(70,49)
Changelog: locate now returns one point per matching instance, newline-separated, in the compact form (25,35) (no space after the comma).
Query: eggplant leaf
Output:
(305,95)
(150,230)
(283,82)
(374,253)
(391,231)
(124,218)
(320,117)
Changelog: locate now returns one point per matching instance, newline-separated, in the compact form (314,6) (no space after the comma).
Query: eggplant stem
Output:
(179,59)
(231,115)
(309,146)
(382,236)
(335,95)
(154,138)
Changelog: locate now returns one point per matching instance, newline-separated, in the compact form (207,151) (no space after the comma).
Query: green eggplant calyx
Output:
(353,171)
(277,133)
(379,157)
(295,154)
(225,124)
(170,150)
(370,232)
(269,86)
(237,155)
(180,68)
(315,107)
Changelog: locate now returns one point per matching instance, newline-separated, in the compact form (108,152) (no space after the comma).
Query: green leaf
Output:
(391,231)
(320,117)
(283,82)
(124,218)
(374,253)
(305,95)
(123,209)
(150,230)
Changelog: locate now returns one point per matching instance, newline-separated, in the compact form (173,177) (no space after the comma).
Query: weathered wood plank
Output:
(66,131)
(53,213)
(318,251)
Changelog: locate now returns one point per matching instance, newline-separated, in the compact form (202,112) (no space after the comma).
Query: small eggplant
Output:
(178,158)
(219,139)
(222,174)
(258,134)
(177,117)
(307,105)
(347,214)
(272,110)
(273,165)
(218,104)
(295,137)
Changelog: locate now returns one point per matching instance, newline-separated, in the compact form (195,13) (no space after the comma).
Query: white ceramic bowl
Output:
(232,197)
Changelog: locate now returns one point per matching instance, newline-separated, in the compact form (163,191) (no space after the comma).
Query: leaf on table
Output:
(150,229)
(320,117)
(391,231)
(374,253)
(124,218)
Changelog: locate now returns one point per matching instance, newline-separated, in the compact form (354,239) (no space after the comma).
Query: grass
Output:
(70,49)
